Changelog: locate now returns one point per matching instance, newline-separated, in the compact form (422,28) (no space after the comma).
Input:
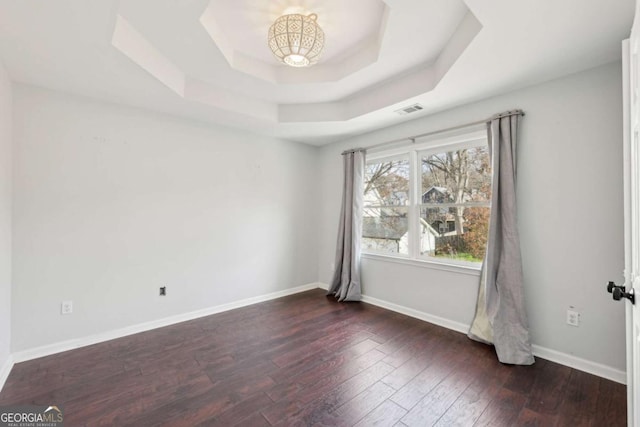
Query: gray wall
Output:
(570,215)
(5,217)
(110,203)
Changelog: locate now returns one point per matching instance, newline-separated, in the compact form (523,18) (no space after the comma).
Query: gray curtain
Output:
(346,278)
(500,317)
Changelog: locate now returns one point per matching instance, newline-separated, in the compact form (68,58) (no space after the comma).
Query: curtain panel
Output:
(500,317)
(345,285)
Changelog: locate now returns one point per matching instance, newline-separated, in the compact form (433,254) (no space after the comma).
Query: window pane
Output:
(387,183)
(385,230)
(458,176)
(456,233)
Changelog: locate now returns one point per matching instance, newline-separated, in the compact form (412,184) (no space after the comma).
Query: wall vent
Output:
(410,109)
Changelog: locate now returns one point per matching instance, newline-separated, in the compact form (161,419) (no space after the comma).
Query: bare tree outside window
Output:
(456,190)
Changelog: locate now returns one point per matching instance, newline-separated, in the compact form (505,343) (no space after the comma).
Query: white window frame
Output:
(472,138)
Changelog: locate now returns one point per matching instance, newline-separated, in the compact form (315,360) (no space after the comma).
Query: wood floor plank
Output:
(548,390)
(122,401)
(441,367)
(471,404)
(580,399)
(311,362)
(401,339)
(314,411)
(422,341)
(529,418)
(610,407)
(323,344)
(522,378)
(414,366)
(240,412)
(435,404)
(358,407)
(334,373)
(387,414)
(307,360)
(255,420)
(355,385)
(503,410)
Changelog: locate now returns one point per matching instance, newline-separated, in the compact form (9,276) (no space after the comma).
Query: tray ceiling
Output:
(209,60)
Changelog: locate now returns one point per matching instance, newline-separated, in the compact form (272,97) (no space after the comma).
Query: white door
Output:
(631,99)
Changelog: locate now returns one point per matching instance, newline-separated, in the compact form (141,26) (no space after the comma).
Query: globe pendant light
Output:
(296,40)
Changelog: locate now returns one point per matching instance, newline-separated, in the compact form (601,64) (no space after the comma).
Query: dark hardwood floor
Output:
(306,360)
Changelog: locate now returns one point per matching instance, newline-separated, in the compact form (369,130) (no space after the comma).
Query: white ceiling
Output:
(209,60)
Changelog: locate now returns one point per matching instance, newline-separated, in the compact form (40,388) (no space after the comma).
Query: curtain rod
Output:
(436,132)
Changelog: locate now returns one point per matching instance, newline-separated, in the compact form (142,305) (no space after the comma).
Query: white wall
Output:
(570,215)
(110,203)
(5,218)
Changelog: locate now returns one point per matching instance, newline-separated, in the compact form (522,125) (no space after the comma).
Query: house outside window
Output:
(430,201)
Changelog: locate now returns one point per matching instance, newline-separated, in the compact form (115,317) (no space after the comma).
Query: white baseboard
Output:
(580,364)
(46,350)
(565,359)
(436,320)
(5,369)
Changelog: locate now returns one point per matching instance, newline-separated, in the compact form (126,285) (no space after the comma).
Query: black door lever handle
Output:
(620,292)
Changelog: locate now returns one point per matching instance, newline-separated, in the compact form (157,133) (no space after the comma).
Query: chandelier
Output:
(296,40)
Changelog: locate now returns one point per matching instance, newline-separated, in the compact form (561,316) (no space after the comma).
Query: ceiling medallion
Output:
(296,40)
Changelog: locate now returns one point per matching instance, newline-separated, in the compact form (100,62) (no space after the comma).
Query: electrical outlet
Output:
(66,307)
(573,318)
(163,291)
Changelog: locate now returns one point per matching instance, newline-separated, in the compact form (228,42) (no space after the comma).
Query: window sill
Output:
(460,269)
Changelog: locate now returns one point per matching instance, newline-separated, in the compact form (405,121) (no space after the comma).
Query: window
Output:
(430,202)
(385,222)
